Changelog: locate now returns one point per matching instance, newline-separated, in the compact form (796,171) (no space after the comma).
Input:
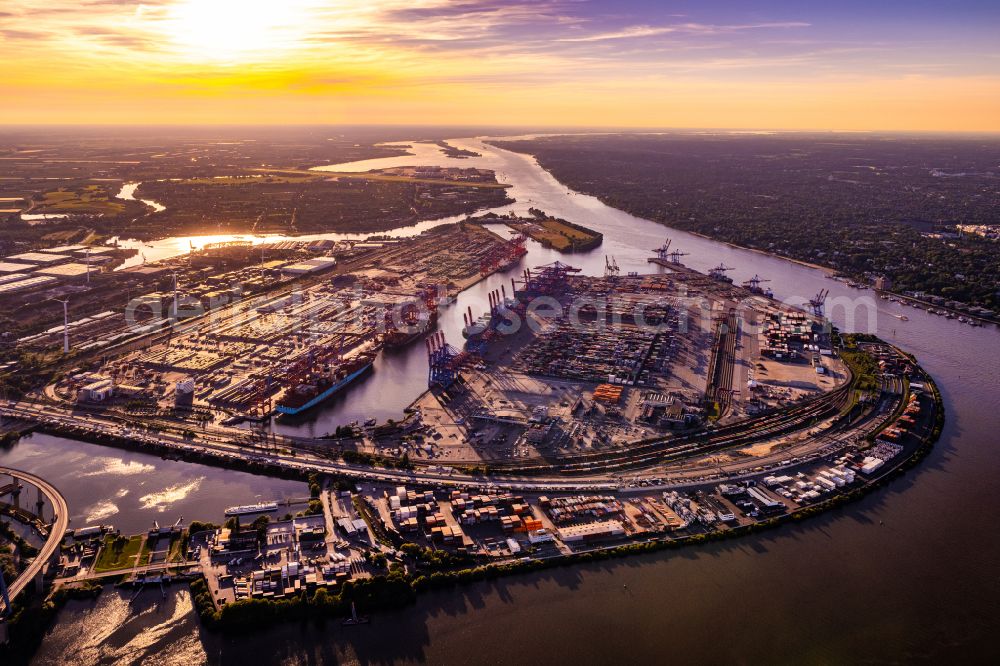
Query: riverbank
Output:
(826,270)
(748,198)
(398,590)
(32,618)
(312,201)
(927,305)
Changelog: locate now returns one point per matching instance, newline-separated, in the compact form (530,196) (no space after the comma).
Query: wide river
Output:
(905,574)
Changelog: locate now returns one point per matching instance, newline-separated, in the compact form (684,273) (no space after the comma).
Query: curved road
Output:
(221,447)
(60,523)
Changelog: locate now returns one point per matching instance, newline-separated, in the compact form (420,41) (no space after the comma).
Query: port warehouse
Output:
(330,321)
(205,284)
(210,290)
(32,271)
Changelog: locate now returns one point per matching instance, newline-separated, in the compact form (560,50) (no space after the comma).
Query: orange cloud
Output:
(520,62)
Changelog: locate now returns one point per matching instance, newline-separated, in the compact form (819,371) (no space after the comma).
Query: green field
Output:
(386,178)
(558,235)
(119,553)
(90,199)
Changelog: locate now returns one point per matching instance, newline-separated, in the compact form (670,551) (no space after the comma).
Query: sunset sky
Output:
(893,65)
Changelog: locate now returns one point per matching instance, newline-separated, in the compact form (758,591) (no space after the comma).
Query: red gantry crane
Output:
(818,302)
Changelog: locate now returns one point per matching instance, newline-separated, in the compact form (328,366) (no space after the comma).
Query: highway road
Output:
(301,461)
(678,462)
(228,445)
(60,523)
(159,567)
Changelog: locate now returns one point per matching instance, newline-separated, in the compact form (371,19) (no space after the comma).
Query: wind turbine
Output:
(175,295)
(65,305)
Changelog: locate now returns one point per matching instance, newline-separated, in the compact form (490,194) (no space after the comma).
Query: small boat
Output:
(355,619)
(370,422)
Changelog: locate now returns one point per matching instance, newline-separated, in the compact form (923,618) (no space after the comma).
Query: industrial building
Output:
(98,391)
(603,529)
(39,258)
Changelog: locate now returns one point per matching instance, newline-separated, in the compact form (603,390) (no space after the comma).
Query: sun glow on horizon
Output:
(237,31)
(587,63)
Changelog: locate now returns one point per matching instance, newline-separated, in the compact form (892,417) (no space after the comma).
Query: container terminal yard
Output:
(360,522)
(576,413)
(251,357)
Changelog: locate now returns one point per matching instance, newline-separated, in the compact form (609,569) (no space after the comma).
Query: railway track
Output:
(723,363)
(660,450)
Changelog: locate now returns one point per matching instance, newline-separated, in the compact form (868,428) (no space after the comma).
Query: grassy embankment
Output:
(88,199)
(560,235)
(121,552)
(387,178)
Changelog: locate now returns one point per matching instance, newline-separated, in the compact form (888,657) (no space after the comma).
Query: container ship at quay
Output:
(414,327)
(476,328)
(324,384)
(411,318)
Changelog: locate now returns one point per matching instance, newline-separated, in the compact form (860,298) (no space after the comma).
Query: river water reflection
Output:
(905,574)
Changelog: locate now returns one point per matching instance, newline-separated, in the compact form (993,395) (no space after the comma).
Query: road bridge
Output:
(133,573)
(50,550)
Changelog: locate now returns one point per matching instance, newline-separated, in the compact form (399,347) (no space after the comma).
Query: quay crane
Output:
(479,332)
(818,301)
(675,256)
(719,273)
(548,280)
(611,269)
(753,284)
(443,360)
(663,251)
(503,256)
(260,393)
